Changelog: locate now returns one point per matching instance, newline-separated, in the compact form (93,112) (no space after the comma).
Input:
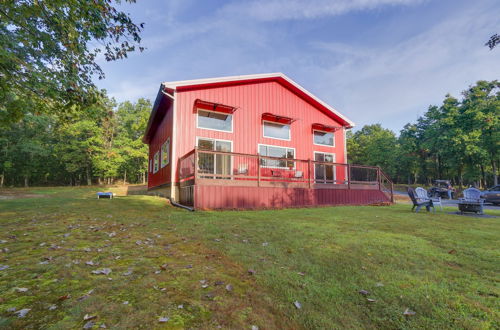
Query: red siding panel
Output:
(234,197)
(252,100)
(161,135)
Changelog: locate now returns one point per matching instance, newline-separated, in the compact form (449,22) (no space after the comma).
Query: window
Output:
(214,163)
(276,130)
(324,138)
(280,152)
(324,173)
(165,153)
(215,120)
(156,162)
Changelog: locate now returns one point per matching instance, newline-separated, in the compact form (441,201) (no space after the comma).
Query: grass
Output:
(443,267)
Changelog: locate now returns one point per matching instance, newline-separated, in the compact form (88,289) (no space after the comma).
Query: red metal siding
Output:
(163,132)
(232,197)
(252,100)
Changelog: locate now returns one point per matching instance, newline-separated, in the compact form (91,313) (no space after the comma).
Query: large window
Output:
(276,130)
(209,163)
(165,153)
(215,120)
(156,162)
(324,138)
(280,152)
(324,173)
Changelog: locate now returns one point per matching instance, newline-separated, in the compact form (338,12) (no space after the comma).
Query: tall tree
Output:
(49,49)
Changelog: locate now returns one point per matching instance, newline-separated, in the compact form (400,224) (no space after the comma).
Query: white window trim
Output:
(280,167)
(333,163)
(167,143)
(213,129)
(275,138)
(157,154)
(212,139)
(323,145)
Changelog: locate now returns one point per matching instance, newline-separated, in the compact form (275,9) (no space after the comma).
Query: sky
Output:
(375,61)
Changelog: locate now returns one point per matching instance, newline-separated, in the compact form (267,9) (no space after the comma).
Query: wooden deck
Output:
(224,180)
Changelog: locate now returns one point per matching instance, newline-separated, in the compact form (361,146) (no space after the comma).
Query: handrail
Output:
(362,174)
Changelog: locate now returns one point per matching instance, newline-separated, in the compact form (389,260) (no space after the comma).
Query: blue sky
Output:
(376,61)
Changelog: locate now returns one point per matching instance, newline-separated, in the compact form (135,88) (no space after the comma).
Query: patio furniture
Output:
(299,175)
(242,169)
(418,203)
(471,202)
(104,195)
(423,195)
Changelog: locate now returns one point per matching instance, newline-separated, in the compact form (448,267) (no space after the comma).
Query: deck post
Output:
(348,176)
(379,179)
(258,171)
(195,164)
(392,192)
(309,163)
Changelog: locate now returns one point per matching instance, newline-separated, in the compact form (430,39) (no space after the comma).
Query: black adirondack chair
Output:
(418,203)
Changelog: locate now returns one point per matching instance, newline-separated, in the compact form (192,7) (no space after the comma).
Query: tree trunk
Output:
(495,173)
(26,181)
(2,177)
(87,173)
(125,177)
(143,178)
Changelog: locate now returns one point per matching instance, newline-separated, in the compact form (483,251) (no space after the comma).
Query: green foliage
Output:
(49,49)
(459,140)
(90,143)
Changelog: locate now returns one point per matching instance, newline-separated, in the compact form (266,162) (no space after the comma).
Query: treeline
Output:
(458,140)
(97,144)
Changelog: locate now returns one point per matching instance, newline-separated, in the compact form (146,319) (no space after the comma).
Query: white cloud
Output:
(270,10)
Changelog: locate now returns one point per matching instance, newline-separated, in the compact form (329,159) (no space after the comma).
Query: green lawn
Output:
(443,267)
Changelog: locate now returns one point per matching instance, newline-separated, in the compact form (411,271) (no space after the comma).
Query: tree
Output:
(493,42)
(373,145)
(49,49)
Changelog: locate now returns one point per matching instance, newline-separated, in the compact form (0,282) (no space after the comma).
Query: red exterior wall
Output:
(230,197)
(252,100)
(164,131)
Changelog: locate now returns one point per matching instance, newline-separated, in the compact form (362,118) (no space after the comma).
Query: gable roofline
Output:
(276,76)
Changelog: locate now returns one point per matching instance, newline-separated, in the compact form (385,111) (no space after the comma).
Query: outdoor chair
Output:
(471,202)
(423,195)
(418,203)
(298,175)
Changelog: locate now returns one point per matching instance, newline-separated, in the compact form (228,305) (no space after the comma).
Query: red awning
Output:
(325,128)
(277,119)
(199,104)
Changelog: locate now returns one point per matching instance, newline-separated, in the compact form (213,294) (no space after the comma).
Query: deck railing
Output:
(229,168)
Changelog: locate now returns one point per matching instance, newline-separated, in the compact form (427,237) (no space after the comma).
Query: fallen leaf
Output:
(3,267)
(180,306)
(21,289)
(229,287)
(113,234)
(370,300)
(254,327)
(251,272)
(164,266)
(408,312)
(125,302)
(364,292)
(104,271)
(91,263)
(87,249)
(52,307)
(301,273)
(379,284)
(22,312)
(265,244)
(88,325)
(189,266)
(219,283)
(297,304)
(127,273)
(163,319)
(88,317)
(453,251)
(66,296)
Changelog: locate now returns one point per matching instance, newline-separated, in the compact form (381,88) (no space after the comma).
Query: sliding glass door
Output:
(324,173)
(214,163)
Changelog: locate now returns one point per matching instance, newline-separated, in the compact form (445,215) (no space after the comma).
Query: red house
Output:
(255,141)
